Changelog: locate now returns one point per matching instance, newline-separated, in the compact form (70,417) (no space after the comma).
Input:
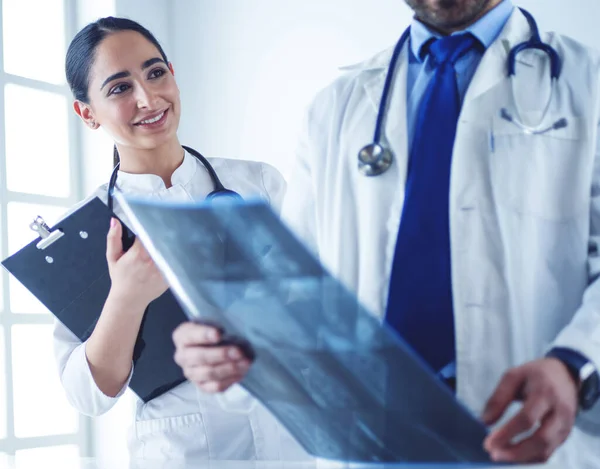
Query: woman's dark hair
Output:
(82,53)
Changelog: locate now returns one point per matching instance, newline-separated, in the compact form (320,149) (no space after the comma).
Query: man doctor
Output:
(480,243)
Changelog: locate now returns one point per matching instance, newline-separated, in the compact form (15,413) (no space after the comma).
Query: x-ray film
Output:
(342,382)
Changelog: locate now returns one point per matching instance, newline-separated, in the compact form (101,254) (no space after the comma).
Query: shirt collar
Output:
(486,29)
(151,183)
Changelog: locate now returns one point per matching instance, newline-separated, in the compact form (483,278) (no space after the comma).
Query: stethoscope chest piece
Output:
(374,159)
(224,196)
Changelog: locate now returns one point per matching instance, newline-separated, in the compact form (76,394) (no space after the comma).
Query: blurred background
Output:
(247,69)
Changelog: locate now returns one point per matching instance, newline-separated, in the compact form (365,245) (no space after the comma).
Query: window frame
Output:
(83,438)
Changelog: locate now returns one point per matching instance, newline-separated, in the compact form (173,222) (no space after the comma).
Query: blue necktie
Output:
(420,294)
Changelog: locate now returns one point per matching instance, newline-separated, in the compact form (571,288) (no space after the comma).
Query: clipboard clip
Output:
(48,237)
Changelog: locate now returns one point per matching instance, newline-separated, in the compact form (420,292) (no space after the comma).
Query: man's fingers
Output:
(190,334)
(546,418)
(507,391)
(534,410)
(114,243)
(538,447)
(203,355)
(213,387)
(223,372)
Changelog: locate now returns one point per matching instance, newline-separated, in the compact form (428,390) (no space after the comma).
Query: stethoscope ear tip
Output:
(561,124)
(504,114)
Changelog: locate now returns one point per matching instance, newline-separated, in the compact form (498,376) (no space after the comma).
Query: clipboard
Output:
(66,270)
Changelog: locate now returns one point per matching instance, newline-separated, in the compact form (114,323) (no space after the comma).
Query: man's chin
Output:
(447,15)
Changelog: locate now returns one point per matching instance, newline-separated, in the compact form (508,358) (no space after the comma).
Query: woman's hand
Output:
(212,368)
(136,281)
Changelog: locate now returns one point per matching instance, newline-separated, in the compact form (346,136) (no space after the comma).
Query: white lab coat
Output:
(186,423)
(523,210)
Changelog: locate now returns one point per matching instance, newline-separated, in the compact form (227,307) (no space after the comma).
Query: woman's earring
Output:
(93,125)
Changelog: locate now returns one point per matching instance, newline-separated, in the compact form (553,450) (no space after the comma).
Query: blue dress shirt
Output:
(420,72)
(420,69)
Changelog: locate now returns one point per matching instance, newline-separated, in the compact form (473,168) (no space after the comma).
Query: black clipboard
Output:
(66,270)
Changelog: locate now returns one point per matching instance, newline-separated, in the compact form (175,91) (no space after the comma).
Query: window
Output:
(40,174)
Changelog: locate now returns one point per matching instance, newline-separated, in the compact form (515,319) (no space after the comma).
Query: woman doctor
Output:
(122,81)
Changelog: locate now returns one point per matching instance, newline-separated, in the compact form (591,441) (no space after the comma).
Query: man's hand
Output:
(211,367)
(549,396)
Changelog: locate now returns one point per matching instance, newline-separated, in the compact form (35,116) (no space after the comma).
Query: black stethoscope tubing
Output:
(219,190)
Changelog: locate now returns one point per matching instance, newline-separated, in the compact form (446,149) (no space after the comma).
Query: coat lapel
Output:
(378,66)
(493,66)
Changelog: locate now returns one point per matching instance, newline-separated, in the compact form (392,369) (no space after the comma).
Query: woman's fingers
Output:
(114,243)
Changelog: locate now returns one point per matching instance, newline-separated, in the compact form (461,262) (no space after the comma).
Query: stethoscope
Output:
(219,191)
(375,158)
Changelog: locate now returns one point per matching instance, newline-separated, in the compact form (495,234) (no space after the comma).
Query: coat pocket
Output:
(181,437)
(546,175)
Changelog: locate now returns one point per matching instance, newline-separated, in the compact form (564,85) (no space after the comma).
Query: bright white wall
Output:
(248,68)
(575,18)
